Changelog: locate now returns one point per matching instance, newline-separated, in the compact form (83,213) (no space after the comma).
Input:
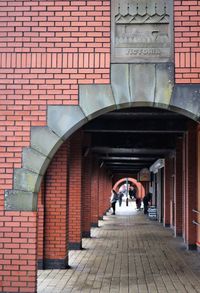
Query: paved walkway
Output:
(128,253)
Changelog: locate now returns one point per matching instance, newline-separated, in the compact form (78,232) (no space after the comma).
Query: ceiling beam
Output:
(149,131)
(125,164)
(134,151)
(119,158)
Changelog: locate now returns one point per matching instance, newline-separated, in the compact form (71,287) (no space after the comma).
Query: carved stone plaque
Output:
(142,31)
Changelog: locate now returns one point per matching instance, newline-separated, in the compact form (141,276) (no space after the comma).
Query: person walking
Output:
(138,203)
(132,192)
(113,200)
(120,195)
(146,201)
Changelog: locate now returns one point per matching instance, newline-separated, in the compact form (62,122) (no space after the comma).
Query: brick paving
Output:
(127,253)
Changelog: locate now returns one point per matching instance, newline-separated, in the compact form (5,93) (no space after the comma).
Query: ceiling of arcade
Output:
(129,140)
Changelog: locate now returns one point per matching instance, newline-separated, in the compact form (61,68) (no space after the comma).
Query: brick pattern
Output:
(56,232)
(191,184)
(86,196)
(47,48)
(18,255)
(198,192)
(101,193)
(167,176)
(94,192)
(75,188)
(187,41)
(178,188)
(40,222)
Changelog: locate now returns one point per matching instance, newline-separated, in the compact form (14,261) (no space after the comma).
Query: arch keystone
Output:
(142,83)
(120,84)
(164,83)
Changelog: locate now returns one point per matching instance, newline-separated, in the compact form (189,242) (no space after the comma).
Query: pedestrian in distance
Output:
(146,201)
(120,195)
(132,192)
(138,203)
(113,200)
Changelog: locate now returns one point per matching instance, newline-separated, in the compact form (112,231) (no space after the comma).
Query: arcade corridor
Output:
(127,253)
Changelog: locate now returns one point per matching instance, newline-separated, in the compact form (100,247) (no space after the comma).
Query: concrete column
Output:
(75,189)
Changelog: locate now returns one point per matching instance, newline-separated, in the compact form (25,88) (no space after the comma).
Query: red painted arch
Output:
(138,185)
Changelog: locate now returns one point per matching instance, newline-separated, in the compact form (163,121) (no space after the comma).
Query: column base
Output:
(95,225)
(75,245)
(86,234)
(166,225)
(178,234)
(60,264)
(191,246)
(40,264)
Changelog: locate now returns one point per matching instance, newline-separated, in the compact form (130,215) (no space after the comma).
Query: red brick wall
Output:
(198,193)
(178,187)
(191,184)
(167,177)
(40,230)
(95,192)
(75,188)
(86,197)
(47,48)
(18,255)
(56,194)
(101,193)
(186,34)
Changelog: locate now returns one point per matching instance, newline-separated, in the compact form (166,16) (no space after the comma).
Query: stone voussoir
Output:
(18,200)
(35,161)
(45,141)
(96,100)
(64,120)
(26,180)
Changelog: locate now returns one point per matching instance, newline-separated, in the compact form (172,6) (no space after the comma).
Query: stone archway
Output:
(138,185)
(157,90)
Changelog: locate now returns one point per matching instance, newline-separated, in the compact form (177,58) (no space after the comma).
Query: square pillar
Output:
(178,213)
(86,197)
(101,210)
(166,201)
(198,191)
(75,190)
(40,230)
(94,193)
(18,252)
(191,186)
(56,212)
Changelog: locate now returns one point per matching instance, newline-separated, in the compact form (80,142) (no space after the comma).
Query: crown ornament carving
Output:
(129,13)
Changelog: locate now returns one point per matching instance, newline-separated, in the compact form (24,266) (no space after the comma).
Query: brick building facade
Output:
(51,54)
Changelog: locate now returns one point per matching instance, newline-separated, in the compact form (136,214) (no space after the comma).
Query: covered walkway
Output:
(127,253)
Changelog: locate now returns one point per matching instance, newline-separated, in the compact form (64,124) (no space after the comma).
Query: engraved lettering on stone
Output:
(143,25)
